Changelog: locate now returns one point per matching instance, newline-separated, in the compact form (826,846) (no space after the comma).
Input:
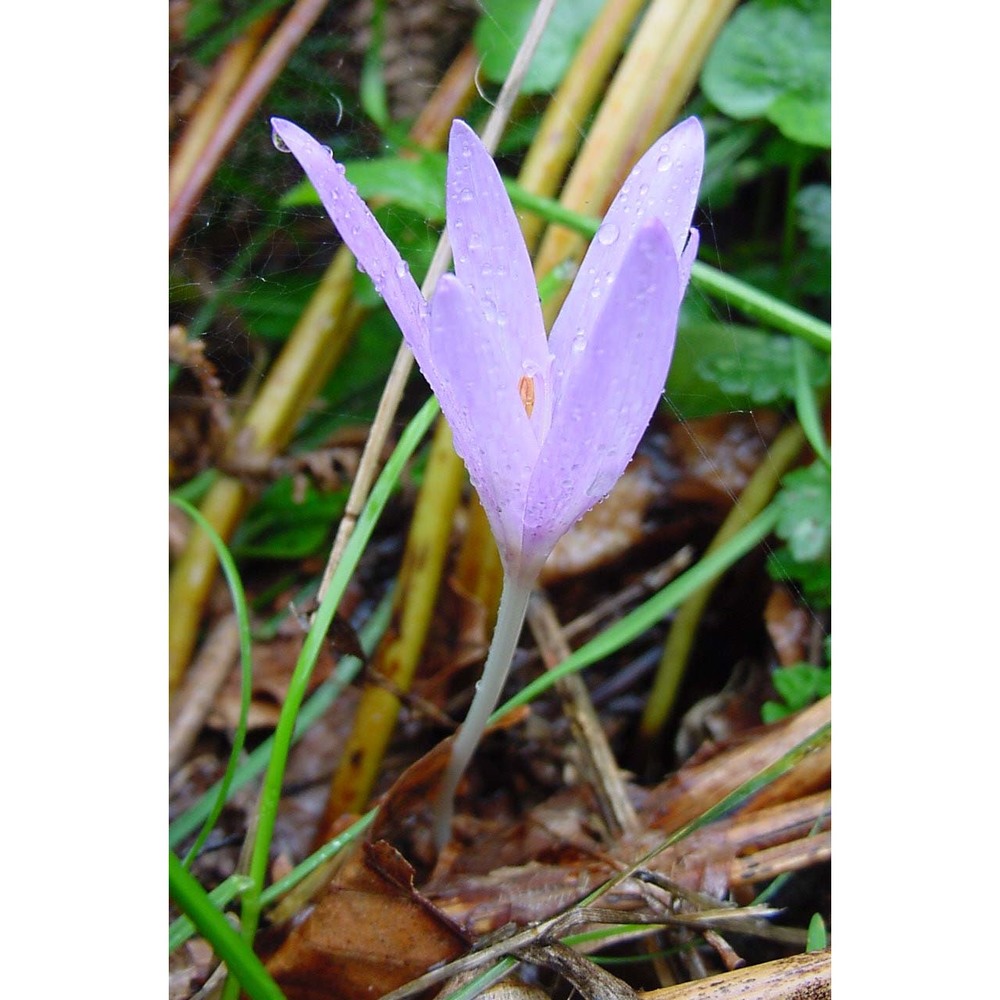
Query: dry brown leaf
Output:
(370,933)
(788,625)
(718,454)
(608,530)
(273,663)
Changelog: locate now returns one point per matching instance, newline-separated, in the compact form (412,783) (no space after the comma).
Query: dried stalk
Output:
(801,977)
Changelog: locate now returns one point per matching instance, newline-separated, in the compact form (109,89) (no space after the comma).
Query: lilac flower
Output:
(544,426)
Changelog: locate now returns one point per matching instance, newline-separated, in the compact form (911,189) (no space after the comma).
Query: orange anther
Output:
(526,390)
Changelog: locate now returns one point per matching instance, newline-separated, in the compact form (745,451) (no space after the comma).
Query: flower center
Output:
(526,390)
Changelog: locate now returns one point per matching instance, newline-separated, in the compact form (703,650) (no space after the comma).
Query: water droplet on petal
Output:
(663,163)
(579,342)
(279,143)
(402,268)
(489,310)
(466,195)
(328,151)
(607,234)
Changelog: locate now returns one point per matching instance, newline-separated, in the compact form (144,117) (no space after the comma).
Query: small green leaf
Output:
(499,32)
(812,576)
(283,525)
(813,203)
(816,937)
(804,521)
(772,60)
(773,711)
(801,684)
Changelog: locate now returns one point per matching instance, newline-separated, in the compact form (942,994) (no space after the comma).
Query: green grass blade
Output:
(223,894)
(246,668)
(323,697)
(805,404)
(652,611)
(271,790)
(749,300)
(188,894)
(761,306)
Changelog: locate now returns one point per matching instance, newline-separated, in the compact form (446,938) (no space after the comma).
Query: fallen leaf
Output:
(370,933)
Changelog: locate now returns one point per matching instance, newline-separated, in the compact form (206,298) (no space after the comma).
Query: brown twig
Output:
(214,663)
(599,763)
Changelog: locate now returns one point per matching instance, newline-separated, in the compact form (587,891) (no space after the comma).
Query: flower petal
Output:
(617,376)
(479,397)
(492,262)
(358,228)
(662,185)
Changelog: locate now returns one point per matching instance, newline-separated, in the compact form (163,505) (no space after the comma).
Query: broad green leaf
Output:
(499,32)
(772,60)
(804,522)
(720,367)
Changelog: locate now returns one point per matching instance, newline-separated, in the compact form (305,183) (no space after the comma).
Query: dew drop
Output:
(607,234)
(328,151)
(489,310)
(279,144)
(663,163)
(466,195)
(579,342)
(402,268)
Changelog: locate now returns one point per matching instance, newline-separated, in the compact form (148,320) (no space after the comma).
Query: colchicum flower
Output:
(545,426)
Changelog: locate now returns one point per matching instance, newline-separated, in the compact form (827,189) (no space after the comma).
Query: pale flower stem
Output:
(510,618)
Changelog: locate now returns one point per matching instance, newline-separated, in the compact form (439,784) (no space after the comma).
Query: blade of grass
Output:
(235,584)
(738,294)
(244,965)
(270,795)
(760,306)
(398,655)
(223,894)
(806,405)
(651,611)
(323,697)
